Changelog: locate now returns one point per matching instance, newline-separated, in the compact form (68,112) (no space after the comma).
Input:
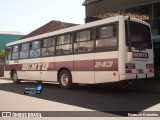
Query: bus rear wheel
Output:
(15,78)
(65,79)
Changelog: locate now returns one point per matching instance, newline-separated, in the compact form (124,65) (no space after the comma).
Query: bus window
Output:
(15,52)
(24,50)
(64,39)
(35,49)
(8,53)
(48,47)
(140,36)
(106,38)
(84,41)
(64,45)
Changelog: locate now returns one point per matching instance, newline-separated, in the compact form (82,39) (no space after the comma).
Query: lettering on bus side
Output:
(35,66)
(104,64)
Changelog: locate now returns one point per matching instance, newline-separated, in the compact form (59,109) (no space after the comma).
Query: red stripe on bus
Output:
(84,65)
(66,64)
(17,67)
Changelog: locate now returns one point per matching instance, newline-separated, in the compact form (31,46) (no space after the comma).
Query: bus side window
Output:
(84,41)
(35,49)
(48,46)
(15,53)
(106,38)
(64,44)
(24,50)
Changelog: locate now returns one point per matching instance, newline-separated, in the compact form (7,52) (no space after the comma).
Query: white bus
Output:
(109,50)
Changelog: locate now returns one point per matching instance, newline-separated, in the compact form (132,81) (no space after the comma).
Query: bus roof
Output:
(71,29)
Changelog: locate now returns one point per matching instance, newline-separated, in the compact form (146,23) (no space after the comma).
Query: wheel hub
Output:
(64,79)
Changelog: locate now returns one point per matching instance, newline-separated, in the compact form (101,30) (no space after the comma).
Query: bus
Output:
(109,50)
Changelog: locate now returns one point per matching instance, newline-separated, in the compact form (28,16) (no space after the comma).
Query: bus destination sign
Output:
(140,55)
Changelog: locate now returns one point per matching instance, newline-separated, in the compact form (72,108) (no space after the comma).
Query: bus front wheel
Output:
(65,79)
(15,78)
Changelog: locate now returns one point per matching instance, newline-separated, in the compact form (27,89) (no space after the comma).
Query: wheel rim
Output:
(64,79)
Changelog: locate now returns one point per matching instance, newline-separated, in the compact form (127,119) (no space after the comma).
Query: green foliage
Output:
(2,54)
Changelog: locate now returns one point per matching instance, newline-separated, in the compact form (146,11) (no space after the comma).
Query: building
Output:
(6,37)
(147,10)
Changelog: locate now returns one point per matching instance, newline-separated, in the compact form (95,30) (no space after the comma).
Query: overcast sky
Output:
(27,15)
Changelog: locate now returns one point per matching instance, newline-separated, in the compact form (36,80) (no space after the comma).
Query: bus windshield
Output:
(140,35)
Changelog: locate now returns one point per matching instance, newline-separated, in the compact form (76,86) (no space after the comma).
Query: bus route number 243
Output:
(104,64)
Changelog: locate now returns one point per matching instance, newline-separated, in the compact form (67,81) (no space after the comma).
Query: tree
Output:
(2,54)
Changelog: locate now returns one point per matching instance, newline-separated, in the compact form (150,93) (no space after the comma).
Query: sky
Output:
(27,15)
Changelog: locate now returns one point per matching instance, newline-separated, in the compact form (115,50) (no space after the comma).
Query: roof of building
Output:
(89,1)
(143,2)
(11,32)
(105,8)
(49,27)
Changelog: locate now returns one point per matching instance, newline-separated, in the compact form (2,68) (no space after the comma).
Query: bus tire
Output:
(15,78)
(65,79)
